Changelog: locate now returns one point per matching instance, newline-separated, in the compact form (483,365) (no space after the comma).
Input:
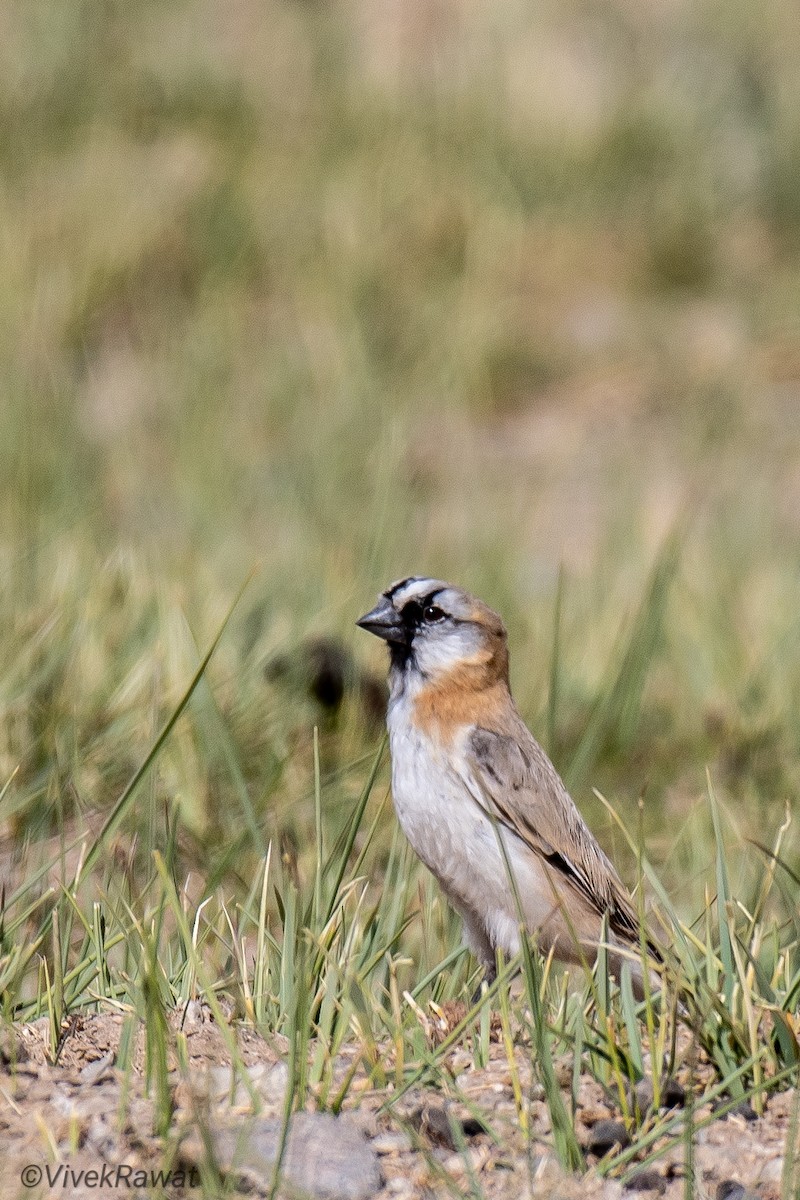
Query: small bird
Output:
(466,771)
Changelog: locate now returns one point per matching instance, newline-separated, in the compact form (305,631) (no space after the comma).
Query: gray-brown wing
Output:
(527,795)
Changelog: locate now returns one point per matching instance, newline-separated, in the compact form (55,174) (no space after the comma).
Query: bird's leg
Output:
(489,976)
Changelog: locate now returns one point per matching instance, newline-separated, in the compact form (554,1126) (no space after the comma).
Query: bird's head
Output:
(435,629)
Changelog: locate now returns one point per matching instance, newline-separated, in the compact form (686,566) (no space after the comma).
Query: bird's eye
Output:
(432,613)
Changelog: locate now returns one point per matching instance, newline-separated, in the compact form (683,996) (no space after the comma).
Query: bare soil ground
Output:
(83,1114)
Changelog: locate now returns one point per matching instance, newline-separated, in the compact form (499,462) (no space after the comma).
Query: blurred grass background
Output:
(347,291)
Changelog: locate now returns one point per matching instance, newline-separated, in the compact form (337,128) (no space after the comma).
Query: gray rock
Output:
(325,1156)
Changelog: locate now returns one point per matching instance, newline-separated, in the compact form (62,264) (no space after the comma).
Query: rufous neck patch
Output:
(467,695)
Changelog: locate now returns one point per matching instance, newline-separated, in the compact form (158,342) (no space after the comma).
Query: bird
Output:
(467,774)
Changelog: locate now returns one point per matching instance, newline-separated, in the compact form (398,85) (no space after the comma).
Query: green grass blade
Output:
(723,900)
(128,795)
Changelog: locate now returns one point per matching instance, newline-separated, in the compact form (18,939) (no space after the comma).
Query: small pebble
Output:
(432,1121)
(731,1189)
(458,1164)
(390,1143)
(93,1072)
(399,1187)
(647,1181)
(563,1073)
(743,1109)
(606,1134)
(593,1113)
(435,1122)
(673,1094)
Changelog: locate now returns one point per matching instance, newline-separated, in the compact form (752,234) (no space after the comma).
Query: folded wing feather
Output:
(520,785)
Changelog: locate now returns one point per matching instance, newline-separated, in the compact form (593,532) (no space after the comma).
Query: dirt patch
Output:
(84,1114)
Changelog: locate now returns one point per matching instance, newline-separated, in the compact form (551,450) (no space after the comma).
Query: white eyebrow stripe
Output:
(392,591)
(415,588)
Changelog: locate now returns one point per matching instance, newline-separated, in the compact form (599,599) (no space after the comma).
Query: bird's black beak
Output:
(385,622)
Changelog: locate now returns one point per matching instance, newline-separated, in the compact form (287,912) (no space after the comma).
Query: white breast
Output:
(455,838)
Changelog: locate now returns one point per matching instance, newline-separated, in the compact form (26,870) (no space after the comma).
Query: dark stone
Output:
(673,1095)
(606,1134)
(743,1109)
(730,1189)
(432,1121)
(646,1181)
(435,1122)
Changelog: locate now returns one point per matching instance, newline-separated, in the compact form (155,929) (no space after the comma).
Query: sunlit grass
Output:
(314,947)
(324,301)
